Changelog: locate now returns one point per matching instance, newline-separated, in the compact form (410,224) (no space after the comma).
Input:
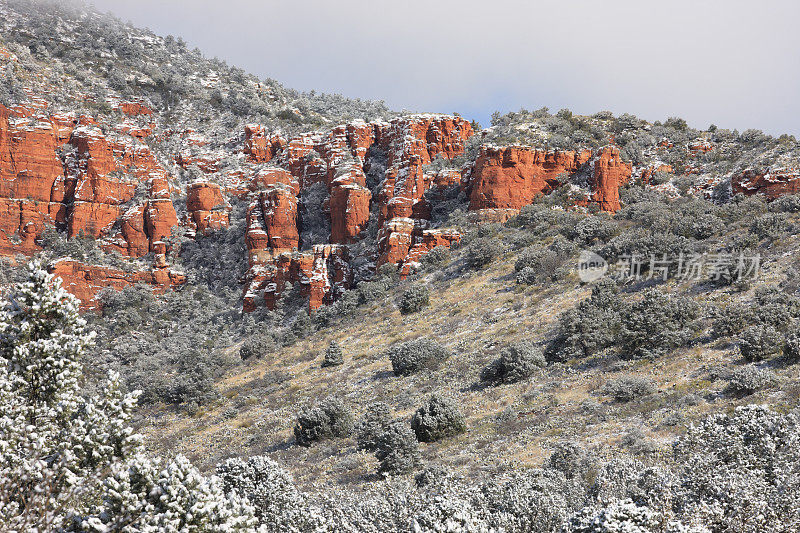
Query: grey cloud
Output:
(734,63)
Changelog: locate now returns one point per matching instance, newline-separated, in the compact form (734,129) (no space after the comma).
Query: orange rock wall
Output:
(86,281)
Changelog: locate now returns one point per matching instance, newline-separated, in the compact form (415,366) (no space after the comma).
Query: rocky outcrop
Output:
(339,159)
(206,206)
(86,281)
(410,144)
(610,173)
(134,108)
(423,242)
(62,170)
(321,275)
(272,224)
(260,147)
(349,206)
(647,173)
(772,183)
(32,185)
(511,177)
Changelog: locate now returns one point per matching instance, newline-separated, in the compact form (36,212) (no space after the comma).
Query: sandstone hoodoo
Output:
(206,206)
(610,173)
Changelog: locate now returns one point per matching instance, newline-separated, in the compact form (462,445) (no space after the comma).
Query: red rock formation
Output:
(699,146)
(772,183)
(31,180)
(647,173)
(272,224)
(610,173)
(86,281)
(412,142)
(349,206)
(423,242)
(259,147)
(511,177)
(206,206)
(207,162)
(134,108)
(322,274)
(267,177)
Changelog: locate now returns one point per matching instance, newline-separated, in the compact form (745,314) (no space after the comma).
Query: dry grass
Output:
(508,426)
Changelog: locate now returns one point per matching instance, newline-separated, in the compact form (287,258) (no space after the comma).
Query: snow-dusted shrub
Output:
(624,478)
(412,356)
(303,325)
(776,308)
(616,517)
(537,264)
(657,324)
(789,203)
(645,244)
(329,419)
(732,319)
(257,346)
(270,490)
(414,299)
(757,343)
(628,388)
(436,258)
(595,229)
(569,458)
(482,251)
(69,461)
(770,226)
(516,362)
(592,326)
(739,471)
(531,500)
(55,443)
(333,355)
(396,448)
(372,291)
(437,419)
(141,495)
(749,379)
(792,347)
(376,419)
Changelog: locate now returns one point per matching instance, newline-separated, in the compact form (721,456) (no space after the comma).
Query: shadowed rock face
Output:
(104,182)
(772,184)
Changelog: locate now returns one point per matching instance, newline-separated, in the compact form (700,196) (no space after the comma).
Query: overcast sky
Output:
(728,62)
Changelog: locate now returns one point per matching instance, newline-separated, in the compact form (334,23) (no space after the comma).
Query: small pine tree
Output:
(333,355)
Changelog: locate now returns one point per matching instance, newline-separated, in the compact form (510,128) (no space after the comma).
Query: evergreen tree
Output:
(70,461)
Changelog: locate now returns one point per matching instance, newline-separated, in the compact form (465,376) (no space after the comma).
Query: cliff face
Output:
(86,281)
(103,181)
(339,160)
(65,171)
(512,177)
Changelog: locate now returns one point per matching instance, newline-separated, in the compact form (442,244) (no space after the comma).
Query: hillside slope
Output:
(361,294)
